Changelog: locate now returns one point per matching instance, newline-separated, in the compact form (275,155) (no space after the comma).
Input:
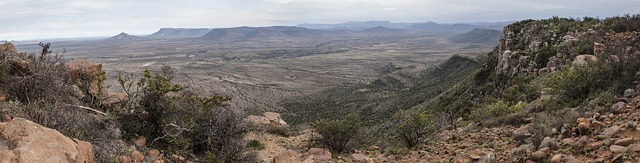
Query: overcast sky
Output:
(32,19)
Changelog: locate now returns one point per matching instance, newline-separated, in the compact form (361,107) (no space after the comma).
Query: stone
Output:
(273,117)
(538,156)
(625,142)
(618,108)
(287,157)
(4,97)
(488,158)
(24,141)
(594,145)
(580,144)
(583,126)
(548,142)
(629,93)
(584,59)
(556,158)
(611,131)
(618,149)
(522,133)
(568,142)
(176,158)
(137,156)
(318,155)
(523,151)
(81,70)
(140,142)
(359,157)
(124,159)
(258,120)
(153,155)
(634,147)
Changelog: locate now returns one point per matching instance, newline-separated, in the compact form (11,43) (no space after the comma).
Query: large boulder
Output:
(24,141)
(584,59)
(89,75)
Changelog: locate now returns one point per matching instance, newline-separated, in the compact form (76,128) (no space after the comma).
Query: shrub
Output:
(337,134)
(180,121)
(255,144)
(413,128)
(282,130)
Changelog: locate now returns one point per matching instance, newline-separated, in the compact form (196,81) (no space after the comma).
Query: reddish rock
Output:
(618,149)
(583,126)
(625,142)
(359,157)
(124,159)
(137,156)
(611,131)
(81,69)
(24,141)
(287,157)
(373,148)
(557,158)
(140,142)
(318,155)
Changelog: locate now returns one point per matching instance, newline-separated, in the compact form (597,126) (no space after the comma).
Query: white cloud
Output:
(66,18)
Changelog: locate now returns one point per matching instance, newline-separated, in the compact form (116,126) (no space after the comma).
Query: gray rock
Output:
(359,157)
(624,142)
(548,142)
(618,149)
(618,108)
(611,131)
(629,93)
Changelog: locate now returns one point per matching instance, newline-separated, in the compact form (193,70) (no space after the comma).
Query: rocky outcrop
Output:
(87,74)
(24,141)
(267,120)
(8,48)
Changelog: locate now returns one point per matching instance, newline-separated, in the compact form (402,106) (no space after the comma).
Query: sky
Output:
(38,19)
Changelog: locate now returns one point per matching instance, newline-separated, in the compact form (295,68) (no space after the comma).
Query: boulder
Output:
(583,126)
(548,142)
(557,158)
(124,159)
(373,148)
(87,74)
(618,108)
(625,142)
(611,131)
(629,93)
(137,156)
(618,149)
(359,157)
(287,157)
(140,142)
(488,158)
(584,59)
(318,155)
(523,132)
(24,141)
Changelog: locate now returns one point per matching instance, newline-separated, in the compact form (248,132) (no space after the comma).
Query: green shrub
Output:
(398,151)
(337,134)
(180,121)
(255,144)
(282,130)
(413,128)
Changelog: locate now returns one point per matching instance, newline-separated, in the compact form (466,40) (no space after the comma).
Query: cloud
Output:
(29,19)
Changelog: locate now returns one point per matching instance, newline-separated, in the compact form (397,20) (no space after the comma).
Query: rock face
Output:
(25,141)
(87,74)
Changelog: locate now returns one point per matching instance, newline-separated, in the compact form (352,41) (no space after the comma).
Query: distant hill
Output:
(478,36)
(180,33)
(432,26)
(124,36)
(247,33)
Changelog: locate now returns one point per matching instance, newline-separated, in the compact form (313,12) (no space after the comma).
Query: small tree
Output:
(413,128)
(337,134)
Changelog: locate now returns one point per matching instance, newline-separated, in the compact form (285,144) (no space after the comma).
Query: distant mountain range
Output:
(352,28)
(360,25)
(180,32)
(478,36)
